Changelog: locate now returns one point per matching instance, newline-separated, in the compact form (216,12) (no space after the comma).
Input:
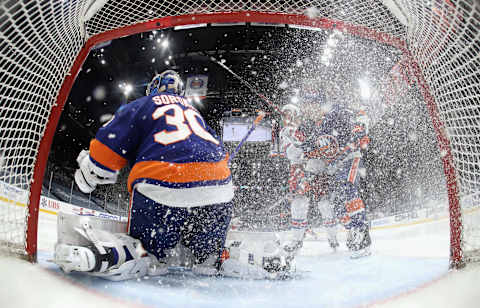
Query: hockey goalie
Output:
(181,198)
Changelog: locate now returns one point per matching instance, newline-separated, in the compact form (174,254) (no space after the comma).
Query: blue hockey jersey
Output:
(173,153)
(336,134)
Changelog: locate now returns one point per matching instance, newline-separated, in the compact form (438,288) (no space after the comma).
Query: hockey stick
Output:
(261,114)
(257,120)
(248,85)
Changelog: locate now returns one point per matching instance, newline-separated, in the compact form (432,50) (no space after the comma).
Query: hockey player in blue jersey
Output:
(334,140)
(329,139)
(180,184)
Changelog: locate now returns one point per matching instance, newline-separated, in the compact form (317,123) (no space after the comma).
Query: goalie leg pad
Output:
(209,267)
(237,269)
(66,224)
(135,268)
(259,255)
(110,265)
(113,256)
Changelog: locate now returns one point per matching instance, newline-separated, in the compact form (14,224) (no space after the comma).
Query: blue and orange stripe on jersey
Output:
(170,174)
(167,173)
(105,156)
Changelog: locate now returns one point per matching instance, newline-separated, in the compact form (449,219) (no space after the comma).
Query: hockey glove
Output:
(88,176)
(315,166)
(294,154)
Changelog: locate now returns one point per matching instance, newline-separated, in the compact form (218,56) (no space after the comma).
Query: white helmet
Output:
(291,115)
(169,81)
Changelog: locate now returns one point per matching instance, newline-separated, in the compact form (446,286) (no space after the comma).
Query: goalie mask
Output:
(291,115)
(169,81)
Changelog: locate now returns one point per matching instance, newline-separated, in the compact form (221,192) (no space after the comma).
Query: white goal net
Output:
(43,44)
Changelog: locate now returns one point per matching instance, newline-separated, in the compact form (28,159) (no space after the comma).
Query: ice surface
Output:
(408,268)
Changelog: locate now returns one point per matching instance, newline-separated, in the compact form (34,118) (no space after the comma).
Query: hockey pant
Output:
(160,227)
(299,203)
(348,204)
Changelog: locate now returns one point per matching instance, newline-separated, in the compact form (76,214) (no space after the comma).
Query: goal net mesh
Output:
(40,41)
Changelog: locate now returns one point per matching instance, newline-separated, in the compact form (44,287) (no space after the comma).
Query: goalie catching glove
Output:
(88,176)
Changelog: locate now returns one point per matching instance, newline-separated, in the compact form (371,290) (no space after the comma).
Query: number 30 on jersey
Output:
(183,130)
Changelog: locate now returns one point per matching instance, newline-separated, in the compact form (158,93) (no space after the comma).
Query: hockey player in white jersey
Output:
(306,183)
(290,144)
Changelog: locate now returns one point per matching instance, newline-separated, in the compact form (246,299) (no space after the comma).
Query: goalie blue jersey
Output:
(170,148)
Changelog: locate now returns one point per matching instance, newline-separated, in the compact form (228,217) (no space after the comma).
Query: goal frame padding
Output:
(247,17)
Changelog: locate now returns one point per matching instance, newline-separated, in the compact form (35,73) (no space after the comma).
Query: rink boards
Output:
(13,202)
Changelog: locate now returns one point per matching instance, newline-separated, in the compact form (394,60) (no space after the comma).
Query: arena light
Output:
(127,89)
(338,33)
(365,91)
(165,43)
(99,93)
(294,99)
(325,60)
(332,42)
(328,52)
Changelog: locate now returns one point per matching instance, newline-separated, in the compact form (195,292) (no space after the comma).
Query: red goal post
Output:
(44,43)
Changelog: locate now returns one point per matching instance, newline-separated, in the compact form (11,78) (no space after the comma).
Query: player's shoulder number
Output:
(186,122)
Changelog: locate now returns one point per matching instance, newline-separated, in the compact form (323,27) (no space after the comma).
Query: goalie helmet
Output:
(169,81)
(291,115)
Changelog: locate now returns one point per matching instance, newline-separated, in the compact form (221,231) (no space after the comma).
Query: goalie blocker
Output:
(100,247)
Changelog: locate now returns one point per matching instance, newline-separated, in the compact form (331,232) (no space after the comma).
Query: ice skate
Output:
(333,244)
(359,241)
(364,252)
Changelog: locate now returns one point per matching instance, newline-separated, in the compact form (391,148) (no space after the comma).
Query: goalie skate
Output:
(74,258)
(333,244)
